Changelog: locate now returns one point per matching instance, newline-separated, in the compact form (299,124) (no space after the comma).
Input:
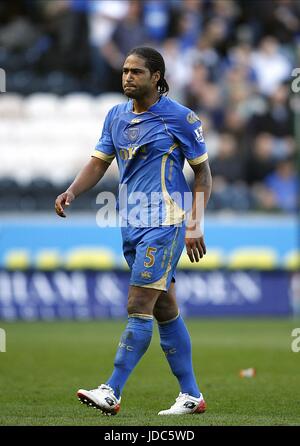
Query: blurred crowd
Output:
(230,61)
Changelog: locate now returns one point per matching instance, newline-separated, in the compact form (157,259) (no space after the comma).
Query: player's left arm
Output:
(194,237)
(187,128)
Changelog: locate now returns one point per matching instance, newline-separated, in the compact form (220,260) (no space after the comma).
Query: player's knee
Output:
(133,308)
(137,306)
(165,315)
(141,301)
(165,311)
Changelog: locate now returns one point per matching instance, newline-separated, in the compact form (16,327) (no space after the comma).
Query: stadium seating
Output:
(253,258)
(11,107)
(212,260)
(90,258)
(17,260)
(48,260)
(44,136)
(292,260)
(47,136)
(41,106)
(46,133)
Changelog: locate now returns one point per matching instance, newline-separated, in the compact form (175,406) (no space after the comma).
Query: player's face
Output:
(137,80)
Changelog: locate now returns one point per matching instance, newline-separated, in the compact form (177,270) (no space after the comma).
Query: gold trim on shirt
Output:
(198,160)
(103,156)
(174,214)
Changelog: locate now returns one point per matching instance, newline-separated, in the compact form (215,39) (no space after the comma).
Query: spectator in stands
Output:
(199,77)
(66,25)
(129,34)
(178,74)
(104,17)
(189,23)
(278,120)
(17,35)
(284,184)
(284,20)
(228,163)
(156,19)
(270,65)
(260,162)
(229,188)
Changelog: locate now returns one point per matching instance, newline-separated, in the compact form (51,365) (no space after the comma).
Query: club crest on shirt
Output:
(192,118)
(132,133)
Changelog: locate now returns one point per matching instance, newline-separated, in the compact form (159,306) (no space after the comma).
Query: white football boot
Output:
(186,404)
(102,398)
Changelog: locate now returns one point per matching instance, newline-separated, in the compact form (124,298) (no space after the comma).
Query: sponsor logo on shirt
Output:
(130,152)
(192,118)
(146,275)
(135,121)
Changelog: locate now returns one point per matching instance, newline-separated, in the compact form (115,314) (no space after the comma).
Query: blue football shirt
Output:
(150,149)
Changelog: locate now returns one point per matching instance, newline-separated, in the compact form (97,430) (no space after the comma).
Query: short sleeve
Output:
(105,149)
(189,132)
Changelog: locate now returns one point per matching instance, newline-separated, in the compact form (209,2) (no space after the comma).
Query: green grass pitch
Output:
(45,363)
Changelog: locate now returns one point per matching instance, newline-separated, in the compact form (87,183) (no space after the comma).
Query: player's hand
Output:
(64,199)
(195,245)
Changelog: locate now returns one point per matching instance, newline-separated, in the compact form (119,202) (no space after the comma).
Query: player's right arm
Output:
(93,171)
(88,176)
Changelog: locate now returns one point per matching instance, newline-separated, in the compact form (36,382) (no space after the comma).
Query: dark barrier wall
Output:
(62,294)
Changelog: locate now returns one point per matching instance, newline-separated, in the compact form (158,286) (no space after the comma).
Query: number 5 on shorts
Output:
(150,256)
